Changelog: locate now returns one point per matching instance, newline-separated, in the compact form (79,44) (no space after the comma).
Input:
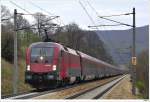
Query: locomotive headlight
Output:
(41,58)
(54,67)
(28,67)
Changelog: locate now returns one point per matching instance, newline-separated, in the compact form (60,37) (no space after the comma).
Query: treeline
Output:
(70,35)
(142,74)
(86,41)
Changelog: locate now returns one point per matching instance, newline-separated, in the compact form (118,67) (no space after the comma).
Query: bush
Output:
(142,74)
(140,86)
(7,46)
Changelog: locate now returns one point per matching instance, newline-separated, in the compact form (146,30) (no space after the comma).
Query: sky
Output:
(72,11)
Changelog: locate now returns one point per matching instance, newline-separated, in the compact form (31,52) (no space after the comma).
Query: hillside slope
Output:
(119,41)
(86,41)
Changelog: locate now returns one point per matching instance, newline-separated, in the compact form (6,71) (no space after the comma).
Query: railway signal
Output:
(134,61)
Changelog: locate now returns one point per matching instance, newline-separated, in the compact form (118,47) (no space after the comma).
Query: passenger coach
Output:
(52,64)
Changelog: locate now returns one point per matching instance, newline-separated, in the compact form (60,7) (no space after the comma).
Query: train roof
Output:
(45,44)
(96,60)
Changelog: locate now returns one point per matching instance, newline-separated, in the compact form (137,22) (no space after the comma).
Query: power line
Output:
(103,17)
(37,23)
(40,8)
(103,26)
(19,7)
(110,16)
(87,12)
(117,15)
(28,13)
(44,10)
(92,7)
(115,21)
(91,19)
(32,15)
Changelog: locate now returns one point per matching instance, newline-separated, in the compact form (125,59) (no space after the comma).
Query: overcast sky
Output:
(71,10)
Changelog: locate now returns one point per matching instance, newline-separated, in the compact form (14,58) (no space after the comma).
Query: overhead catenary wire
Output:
(109,40)
(103,17)
(45,11)
(87,12)
(117,15)
(28,13)
(34,14)
(36,24)
(91,19)
(120,57)
(19,7)
(105,25)
(92,7)
(115,21)
(40,8)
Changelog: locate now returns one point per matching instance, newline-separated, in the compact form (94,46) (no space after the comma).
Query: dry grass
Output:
(122,91)
(7,77)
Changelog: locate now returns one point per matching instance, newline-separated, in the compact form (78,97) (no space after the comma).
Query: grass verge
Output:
(7,78)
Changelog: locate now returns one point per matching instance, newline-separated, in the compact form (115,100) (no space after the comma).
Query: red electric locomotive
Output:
(52,64)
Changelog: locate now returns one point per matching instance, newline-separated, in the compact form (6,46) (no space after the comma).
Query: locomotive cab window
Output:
(42,55)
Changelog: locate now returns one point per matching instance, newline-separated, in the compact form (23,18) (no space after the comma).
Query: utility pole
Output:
(38,24)
(15,70)
(133,56)
(46,34)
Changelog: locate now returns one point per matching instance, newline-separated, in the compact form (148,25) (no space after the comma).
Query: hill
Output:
(119,41)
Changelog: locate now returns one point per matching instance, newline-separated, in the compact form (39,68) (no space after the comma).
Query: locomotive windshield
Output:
(42,55)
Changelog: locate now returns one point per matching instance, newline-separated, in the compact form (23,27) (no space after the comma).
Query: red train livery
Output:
(52,64)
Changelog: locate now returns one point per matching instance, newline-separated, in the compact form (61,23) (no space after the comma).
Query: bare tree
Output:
(4,12)
(75,35)
(44,24)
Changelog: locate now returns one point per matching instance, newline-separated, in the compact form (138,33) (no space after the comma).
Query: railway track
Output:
(29,95)
(36,94)
(96,92)
(21,93)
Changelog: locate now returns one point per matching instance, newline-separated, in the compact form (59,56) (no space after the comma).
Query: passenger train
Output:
(53,64)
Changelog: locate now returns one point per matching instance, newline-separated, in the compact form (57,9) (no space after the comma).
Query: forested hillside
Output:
(85,41)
